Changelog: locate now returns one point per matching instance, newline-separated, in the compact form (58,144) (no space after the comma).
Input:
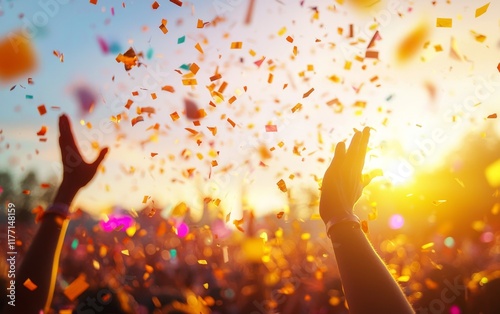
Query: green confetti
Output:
(181,40)
(74,244)
(29,96)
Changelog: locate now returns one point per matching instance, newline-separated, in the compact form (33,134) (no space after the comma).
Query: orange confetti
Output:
(215,77)
(198,47)
(236,45)
(136,120)
(42,131)
(145,199)
(174,116)
(194,132)
(155,5)
(26,192)
(194,68)
(282,185)
(231,122)
(77,287)
(308,93)
(200,24)
(212,129)
(30,285)
(492,116)
(280,215)
(177,2)
(94,2)
(42,110)
(168,88)
(18,56)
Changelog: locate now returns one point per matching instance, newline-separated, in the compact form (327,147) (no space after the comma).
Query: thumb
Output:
(100,158)
(368,177)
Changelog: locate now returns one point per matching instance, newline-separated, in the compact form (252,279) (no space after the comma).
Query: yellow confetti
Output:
(427,246)
(444,22)
(481,10)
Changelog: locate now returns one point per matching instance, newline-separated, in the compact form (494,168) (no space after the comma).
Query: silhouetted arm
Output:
(42,258)
(368,285)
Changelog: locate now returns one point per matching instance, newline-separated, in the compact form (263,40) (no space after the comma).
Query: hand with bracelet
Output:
(368,285)
(40,263)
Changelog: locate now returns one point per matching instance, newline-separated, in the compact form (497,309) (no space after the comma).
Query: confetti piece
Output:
(191,108)
(492,116)
(145,199)
(163,28)
(30,285)
(280,215)
(215,77)
(76,288)
(194,68)
(94,2)
(236,45)
(454,51)
(438,202)
(181,40)
(18,57)
(129,59)
(444,22)
(231,122)
(308,93)
(282,185)
(238,223)
(59,55)
(136,120)
(174,116)
(177,2)
(481,10)
(412,43)
(298,106)
(427,246)
(189,82)
(125,252)
(42,131)
(202,262)
(42,110)
(198,47)
(271,128)
(168,88)
(155,5)
(179,210)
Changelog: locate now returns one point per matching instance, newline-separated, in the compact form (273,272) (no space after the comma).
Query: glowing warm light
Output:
(449,242)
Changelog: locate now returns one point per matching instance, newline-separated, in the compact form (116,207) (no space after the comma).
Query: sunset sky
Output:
(419,101)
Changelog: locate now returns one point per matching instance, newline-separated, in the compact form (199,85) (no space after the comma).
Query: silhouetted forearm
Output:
(368,284)
(41,261)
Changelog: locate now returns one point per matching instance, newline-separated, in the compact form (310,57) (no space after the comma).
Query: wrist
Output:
(65,194)
(348,219)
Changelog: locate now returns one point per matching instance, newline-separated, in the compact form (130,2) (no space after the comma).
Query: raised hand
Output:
(77,172)
(343,181)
